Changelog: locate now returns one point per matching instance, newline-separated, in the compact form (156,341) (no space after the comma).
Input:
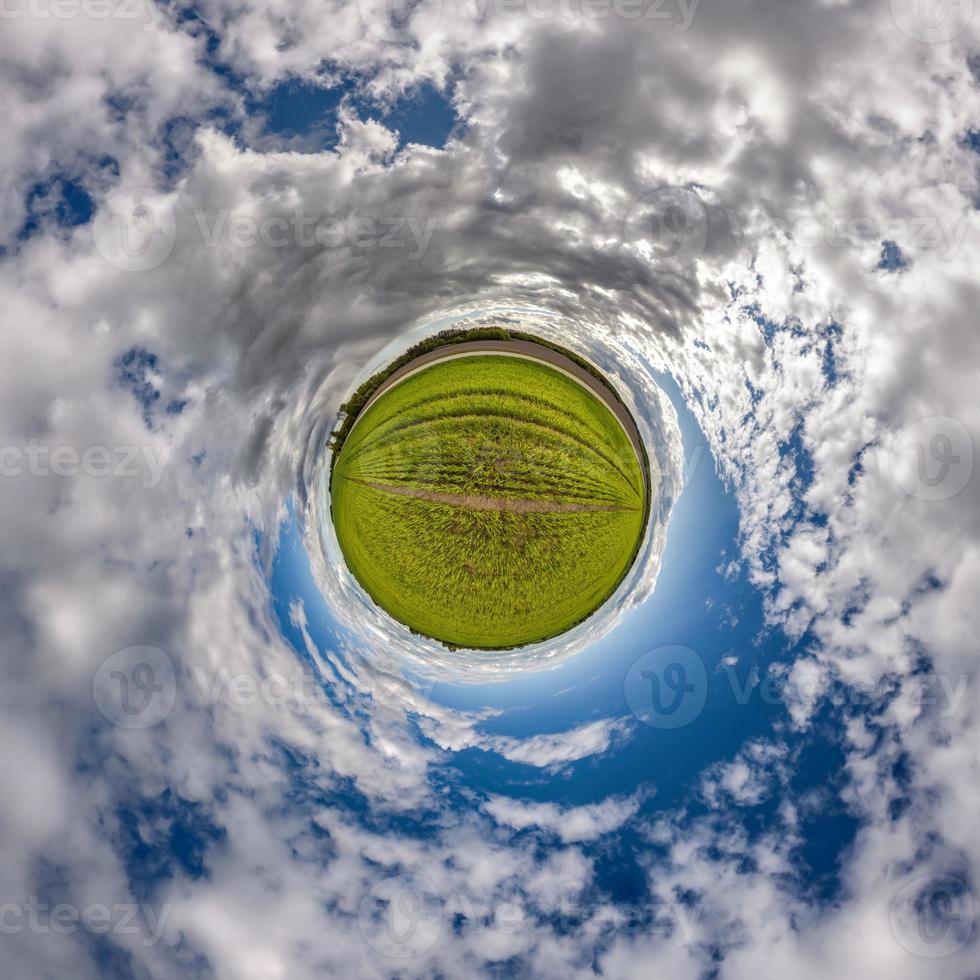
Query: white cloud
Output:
(811,133)
(571,824)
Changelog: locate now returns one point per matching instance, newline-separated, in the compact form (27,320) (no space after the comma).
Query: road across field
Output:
(477,502)
(518,348)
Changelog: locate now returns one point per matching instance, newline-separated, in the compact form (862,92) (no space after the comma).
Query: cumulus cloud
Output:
(837,396)
(571,824)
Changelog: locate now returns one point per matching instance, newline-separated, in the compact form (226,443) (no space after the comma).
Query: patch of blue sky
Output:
(826,828)
(189,19)
(829,365)
(60,202)
(299,114)
(295,114)
(303,114)
(695,605)
(795,451)
(291,583)
(892,259)
(423,115)
(162,837)
(137,370)
(177,148)
(703,601)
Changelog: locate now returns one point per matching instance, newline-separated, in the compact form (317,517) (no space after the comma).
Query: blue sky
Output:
(698,603)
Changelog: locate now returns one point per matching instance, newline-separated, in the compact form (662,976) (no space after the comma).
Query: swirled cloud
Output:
(760,220)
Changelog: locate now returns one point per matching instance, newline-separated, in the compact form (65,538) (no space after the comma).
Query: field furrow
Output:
(488,501)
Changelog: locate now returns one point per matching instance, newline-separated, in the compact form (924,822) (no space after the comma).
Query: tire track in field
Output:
(471,501)
(393,468)
(498,392)
(535,352)
(376,440)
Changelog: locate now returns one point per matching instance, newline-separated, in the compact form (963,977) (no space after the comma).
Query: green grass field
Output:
(488,501)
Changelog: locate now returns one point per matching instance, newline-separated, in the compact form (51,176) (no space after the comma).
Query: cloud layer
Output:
(771,204)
